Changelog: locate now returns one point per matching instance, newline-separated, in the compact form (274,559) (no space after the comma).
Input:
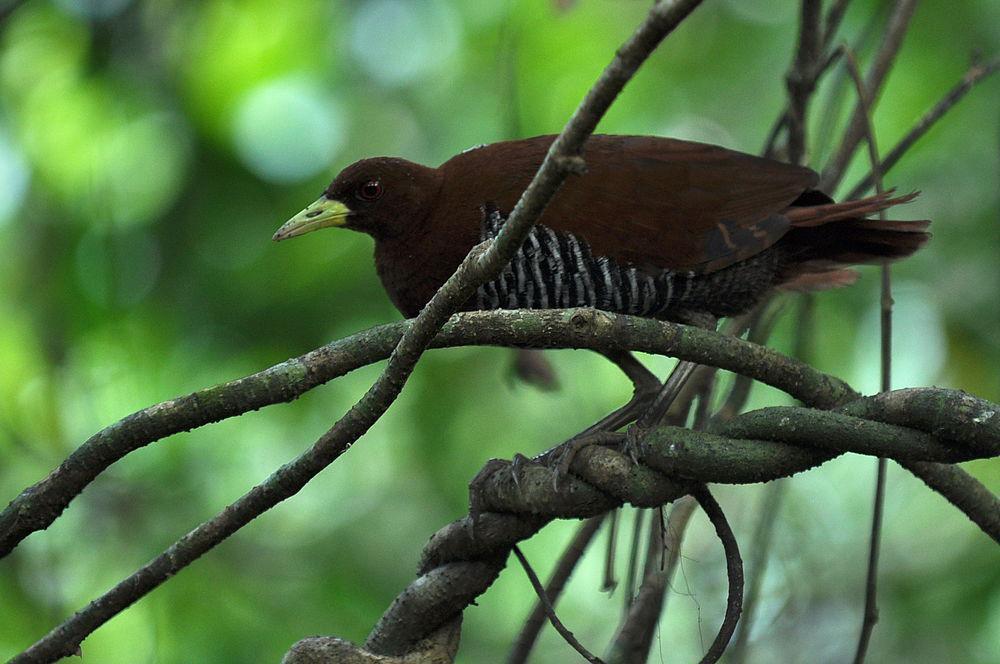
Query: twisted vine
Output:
(917,426)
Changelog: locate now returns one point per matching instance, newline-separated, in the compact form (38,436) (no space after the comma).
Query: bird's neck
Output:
(412,267)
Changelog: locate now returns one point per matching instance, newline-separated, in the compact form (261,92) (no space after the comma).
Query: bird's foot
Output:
(477,487)
(632,444)
(560,458)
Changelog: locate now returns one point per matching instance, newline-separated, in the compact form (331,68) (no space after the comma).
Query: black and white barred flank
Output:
(556,269)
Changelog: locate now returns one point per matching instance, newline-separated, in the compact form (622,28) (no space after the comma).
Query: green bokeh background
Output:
(149,149)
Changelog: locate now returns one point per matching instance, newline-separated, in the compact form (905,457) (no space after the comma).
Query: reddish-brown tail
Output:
(828,237)
(817,215)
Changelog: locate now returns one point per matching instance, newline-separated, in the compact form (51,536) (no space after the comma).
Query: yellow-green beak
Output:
(321,214)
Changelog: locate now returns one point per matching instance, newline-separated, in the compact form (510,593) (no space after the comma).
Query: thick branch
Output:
(39,505)
(603,478)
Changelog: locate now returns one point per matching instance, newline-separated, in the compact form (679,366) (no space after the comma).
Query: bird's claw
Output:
(632,445)
(561,457)
(517,466)
(477,486)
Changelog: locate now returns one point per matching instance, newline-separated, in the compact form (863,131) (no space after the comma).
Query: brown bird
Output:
(656,227)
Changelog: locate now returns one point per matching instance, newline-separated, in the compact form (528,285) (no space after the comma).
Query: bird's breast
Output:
(414,266)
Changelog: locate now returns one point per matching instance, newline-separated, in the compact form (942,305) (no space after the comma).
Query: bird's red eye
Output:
(370,190)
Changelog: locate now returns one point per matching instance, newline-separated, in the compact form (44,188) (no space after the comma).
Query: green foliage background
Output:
(149,149)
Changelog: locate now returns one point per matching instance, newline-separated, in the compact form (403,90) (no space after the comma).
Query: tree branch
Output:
(557,582)
(899,22)
(801,78)
(635,635)
(734,572)
(604,478)
(974,75)
(40,504)
(550,610)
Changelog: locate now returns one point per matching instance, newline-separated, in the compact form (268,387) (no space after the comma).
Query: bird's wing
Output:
(658,202)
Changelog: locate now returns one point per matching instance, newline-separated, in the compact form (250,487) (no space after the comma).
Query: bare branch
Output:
(834,16)
(564,568)
(801,78)
(974,75)
(963,491)
(635,635)
(899,22)
(806,78)
(870,615)
(550,610)
(734,570)
(8,9)
(604,478)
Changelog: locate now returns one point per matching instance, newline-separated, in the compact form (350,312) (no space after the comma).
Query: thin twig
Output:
(870,615)
(974,75)
(551,612)
(734,571)
(633,560)
(831,23)
(634,637)
(609,583)
(899,22)
(761,548)
(839,89)
(557,582)
(813,73)
(801,78)
(878,509)
(8,9)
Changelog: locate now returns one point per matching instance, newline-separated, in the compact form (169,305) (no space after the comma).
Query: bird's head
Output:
(383,196)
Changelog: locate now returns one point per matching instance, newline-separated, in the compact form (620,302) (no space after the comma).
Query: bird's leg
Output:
(532,367)
(476,486)
(672,387)
(645,385)
(665,396)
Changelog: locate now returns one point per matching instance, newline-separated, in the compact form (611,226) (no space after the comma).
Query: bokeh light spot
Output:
(15,176)
(93,9)
(288,130)
(919,344)
(398,42)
